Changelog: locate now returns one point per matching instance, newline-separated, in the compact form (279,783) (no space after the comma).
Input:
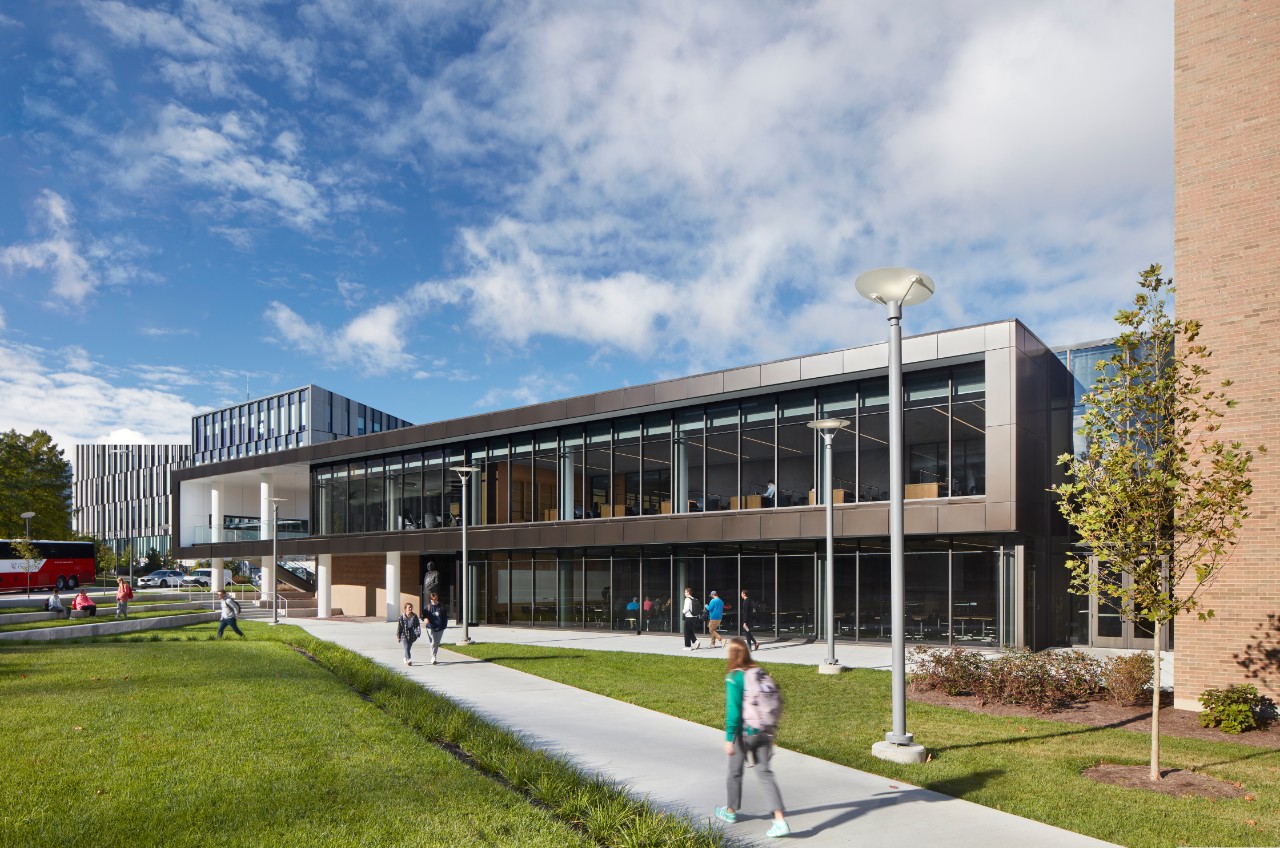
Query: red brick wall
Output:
(1227,248)
(359,583)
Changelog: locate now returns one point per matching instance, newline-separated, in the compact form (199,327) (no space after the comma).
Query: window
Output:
(722,458)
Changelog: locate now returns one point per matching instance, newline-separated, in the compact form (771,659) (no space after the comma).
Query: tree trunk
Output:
(1155,706)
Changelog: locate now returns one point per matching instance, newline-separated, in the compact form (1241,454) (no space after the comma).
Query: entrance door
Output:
(1107,626)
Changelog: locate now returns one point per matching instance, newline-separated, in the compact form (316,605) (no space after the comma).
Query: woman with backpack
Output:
(408,631)
(752,705)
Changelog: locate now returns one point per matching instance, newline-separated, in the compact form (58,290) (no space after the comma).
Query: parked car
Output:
(204,577)
(164,578)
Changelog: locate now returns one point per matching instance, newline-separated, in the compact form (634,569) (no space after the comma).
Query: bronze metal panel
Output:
(780,525)
(580,407)
(614,401)
(742,378)
(864,521)
(1000,463)
(636,396)
(706,528)
(743,527)
(671,390)
(580,534)
(434,432)
(999,516)
(638,532)
(821,365)
(969,340)
(869,358)
(460,427)
(813,523)
(671,530)
(962,518)
(786,371)
(610,533)
(706,384)
(552,536)
(918,520)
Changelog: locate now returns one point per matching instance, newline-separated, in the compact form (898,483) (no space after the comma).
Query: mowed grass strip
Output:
(104,614)
(253,740)
(1029,767)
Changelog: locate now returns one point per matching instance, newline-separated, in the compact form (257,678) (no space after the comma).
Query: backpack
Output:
(127,594)
(761,701)
(234,605)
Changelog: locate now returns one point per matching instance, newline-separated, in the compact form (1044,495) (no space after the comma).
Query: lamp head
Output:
(28,515)
(464,470)
(829,424)
(886,285)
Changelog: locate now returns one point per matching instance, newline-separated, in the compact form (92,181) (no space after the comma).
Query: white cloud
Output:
(532,388)
(59,254)
(374,341)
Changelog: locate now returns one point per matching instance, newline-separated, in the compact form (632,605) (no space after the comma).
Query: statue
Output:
(430,580)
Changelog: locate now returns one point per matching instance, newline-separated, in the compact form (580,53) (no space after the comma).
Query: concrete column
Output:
(268,575)
(324,585)
(264,508)
(215,512)
(216,565)
(393,586)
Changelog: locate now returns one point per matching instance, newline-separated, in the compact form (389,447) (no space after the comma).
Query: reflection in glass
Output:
(433,488)
(657,598)
(757,577)
(656,482)
(355,498)
(874,619)
(494,482)
(926,580)
(925,424)
(974,592)
(570,591)
(873,441)
(796,594)
(596,587)
(375,493)
(968,432)
(521,577)
(758,470)
(625,594)
(626,467)
(722,458)
(546,590)
(521,471)
(545,461)
(499,590)
(795,449)
(688,459)
(599,468)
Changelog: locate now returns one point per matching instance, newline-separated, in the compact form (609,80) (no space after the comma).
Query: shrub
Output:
(1045,681)
(954,671)
(1236,709)
(1127,679)
(1079,674)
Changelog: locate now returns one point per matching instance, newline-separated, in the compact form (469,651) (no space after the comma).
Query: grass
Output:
(177,740)
(104,614)
(1029,767)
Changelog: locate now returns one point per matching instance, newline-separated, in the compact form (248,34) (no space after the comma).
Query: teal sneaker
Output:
(726,814)
(780,828)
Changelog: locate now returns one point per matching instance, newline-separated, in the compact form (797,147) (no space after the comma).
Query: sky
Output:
(444,208)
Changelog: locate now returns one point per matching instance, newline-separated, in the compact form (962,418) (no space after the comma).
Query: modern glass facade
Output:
(703,458)
(121,494)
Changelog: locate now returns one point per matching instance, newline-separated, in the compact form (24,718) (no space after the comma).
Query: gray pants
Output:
(760,748)
(435,636)
(122,609)
(408,647)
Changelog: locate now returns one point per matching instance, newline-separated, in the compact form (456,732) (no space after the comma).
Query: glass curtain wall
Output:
(356,498)
(795,449)
(521,577)
(796,588)
(759,468)
(521,468)
(658,596)
(597,599)
(722,458)
(926,425)
(756,572)
(572,474)
(495,482)
(569,589)
(626,467)
(411,507)
(599,469)
(689,459)
(655,482)
(433,488)
(499,591)
(968,432)
(873,441)
(546,589)
(375,520)
(840,402)
(625,593)
(721,570)
(546,459)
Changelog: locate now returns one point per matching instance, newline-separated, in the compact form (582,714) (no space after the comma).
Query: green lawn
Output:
(177,740)
(1029,767)
(104,614)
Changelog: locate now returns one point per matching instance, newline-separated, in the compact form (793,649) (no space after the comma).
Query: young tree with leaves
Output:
(1154,495)
(30,556)
(34,477)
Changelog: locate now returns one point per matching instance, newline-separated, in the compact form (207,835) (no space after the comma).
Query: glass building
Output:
(120,494)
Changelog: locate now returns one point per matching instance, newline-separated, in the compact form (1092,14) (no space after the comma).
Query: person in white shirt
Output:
(230,609)
(690,619)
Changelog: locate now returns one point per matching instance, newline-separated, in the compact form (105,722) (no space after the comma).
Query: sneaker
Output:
(687,648)
(408,662)
(433,660)
(779,828)
(697,645)
(726,814)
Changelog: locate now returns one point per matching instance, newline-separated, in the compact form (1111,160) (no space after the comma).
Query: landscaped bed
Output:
(1022,763)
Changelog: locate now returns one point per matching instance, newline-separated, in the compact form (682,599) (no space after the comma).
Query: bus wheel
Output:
(73,582)
(61,583)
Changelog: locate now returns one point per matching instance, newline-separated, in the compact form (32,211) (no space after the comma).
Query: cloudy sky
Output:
(441,208)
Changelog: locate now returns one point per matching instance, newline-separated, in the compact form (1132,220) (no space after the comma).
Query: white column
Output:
(215,512)
(324,585)
(264,509)
(216,579)
(393,586)
(268,566)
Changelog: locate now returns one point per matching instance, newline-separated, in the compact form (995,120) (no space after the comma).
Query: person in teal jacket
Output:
(715,614)
(741,740)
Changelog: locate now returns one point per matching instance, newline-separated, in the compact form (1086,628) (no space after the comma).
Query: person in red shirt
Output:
(84,602)
(124,594)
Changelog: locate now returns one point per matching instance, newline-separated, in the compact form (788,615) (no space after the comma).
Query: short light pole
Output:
(827,428)
(27,516)
(464,473)
(275,583)
(895,288)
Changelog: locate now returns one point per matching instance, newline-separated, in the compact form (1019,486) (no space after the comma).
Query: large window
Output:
(545,459)
(873,441)
(722,458)
(626,467)
(688,458)
(968,432)
(758,439)
(655,482)
(795,449)
(926,431)
(599,469)
(841,402)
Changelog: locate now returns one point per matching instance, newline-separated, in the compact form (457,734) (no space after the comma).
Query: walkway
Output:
(679,765)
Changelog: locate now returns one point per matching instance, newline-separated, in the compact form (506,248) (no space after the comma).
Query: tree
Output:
(1154,495)
(30,557)
(34,477)
(106,557)
(154,560)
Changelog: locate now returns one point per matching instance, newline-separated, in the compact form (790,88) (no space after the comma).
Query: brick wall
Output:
(359,583)
(1227,247)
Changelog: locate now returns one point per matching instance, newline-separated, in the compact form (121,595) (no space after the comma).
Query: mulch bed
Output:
(1178,782)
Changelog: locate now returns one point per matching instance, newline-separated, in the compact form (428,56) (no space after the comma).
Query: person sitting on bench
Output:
(84,602)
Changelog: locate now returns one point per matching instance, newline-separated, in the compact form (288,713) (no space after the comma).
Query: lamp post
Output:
(827,428)
(27,516)
(275,533)
(464,473)
(895,288)
(124,486)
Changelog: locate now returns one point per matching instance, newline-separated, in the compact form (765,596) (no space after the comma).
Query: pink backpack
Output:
(761,701)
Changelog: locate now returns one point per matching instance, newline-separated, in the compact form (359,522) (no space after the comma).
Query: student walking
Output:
(437,621)
(750,698)
(715,614)
(690,620)
(230,610)
(124,594)
(408,631)
(747,618)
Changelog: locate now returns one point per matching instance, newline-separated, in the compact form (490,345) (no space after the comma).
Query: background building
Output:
(120,494)
(1227,248)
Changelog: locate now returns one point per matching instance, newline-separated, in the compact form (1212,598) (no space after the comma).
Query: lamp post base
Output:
(467,641)
(906,754)
(825,667)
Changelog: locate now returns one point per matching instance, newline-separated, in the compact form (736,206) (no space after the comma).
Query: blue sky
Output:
(443,208)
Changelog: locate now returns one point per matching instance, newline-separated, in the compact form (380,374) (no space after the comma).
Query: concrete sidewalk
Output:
(680,766)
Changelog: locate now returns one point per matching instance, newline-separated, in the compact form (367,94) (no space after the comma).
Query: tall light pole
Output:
(27,516)
(827,428)
(124,486)
(275,533)
(464,473)
(895,288)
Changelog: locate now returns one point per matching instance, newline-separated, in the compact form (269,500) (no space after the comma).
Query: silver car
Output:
(164,578)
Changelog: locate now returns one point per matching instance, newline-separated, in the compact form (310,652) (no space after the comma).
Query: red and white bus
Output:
(64,565)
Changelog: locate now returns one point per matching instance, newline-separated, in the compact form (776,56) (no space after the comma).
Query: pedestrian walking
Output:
(715,614)
(690,619)
(408,631)
(437,621)
(230,611)
(752,705)
(747,618)
(124,594)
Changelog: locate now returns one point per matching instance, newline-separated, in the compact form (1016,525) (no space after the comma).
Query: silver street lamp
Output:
(827,428)
(464,473)
(895,288)
(275,534)
(27,516)
(124,487)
